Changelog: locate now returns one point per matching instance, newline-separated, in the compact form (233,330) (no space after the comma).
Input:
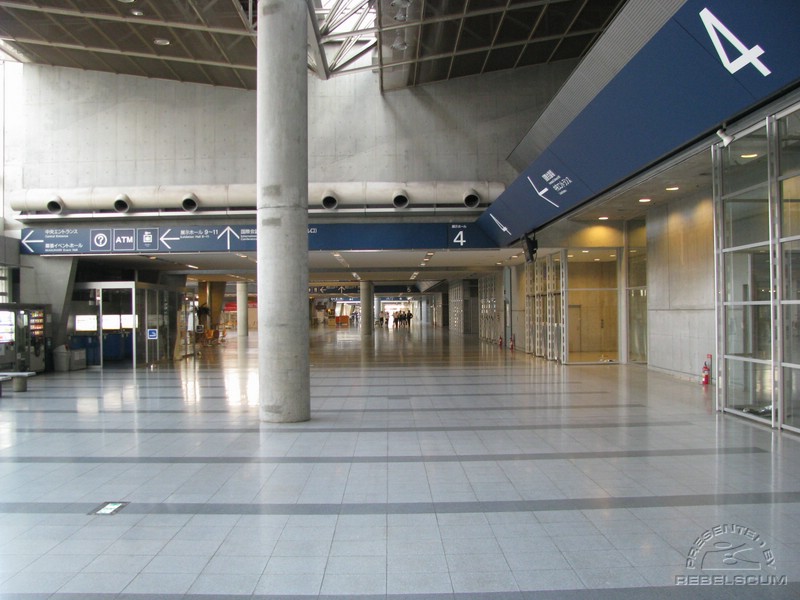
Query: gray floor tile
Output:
(462,473)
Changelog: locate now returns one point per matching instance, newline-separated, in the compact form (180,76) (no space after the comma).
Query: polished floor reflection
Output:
(434,466)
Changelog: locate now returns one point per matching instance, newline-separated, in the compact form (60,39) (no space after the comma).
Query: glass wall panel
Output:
(744,162)
(790,207)
(592,312)
(791,333)
(746,218)
(789,135)
(791,270)
(637,325)
(747,275)
(748,387)
(141,332)
(637,267)
(747,331)
(791,395)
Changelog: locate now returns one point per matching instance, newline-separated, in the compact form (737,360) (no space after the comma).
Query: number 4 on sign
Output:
(459,239)
(749,56)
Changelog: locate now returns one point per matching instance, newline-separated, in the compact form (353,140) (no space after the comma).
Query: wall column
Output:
(367,317)
(49,281)
(282,211)
(241,309)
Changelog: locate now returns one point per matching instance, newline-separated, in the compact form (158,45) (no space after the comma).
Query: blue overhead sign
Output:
(242,238)
(713,61)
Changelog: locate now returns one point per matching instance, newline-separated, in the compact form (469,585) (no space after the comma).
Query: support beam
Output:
(282,211)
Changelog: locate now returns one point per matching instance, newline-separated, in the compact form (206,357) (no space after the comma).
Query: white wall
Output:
(680,286)
(75,128)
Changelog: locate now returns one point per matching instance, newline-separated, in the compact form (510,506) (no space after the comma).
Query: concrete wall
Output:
(75,128)
(680,282)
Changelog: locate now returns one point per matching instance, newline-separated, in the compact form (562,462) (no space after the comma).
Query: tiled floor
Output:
(434,466)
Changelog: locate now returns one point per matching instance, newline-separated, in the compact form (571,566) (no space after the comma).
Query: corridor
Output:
(434,466)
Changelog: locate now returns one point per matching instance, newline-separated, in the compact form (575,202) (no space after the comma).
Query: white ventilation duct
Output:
(367,195)
(122,203)
(400,199)
(190,203)
(55,205)
(471,199)
(329,200)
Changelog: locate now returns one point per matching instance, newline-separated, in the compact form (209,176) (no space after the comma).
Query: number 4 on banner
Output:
(749,56)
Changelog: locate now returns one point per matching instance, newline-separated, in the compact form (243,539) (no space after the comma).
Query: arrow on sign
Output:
(500,225)
(163,239)
(228,231)
(542,193)
(28,239)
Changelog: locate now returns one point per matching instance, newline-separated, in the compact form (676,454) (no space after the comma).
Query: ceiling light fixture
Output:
(602,218)
(673,188)
(645,200)
(726,139)
(754,155)
(136,12)
(161,42)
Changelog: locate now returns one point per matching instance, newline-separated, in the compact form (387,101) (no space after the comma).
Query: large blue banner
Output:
(714,60)
(206,237)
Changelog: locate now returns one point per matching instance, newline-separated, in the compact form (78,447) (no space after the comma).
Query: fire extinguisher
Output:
(706,373)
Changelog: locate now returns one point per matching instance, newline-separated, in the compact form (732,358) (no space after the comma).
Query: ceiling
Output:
(408,42)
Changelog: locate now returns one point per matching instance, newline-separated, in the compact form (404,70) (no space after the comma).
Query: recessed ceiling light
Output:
(161,42)
(644,200)
(192,266)
(136,12)
(585,251)
(498,263)
(673,188)
(126,1)
(596,260)
(570,256)
(612,255)
(602,218)
(750,155)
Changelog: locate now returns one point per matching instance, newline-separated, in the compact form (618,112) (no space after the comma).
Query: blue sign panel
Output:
(152,334)
(199,237)
(124,240)
(147,239)
(710,63)
(100,240)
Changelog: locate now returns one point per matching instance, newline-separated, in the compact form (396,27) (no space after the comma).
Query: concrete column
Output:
(367,289)
(49,281)
(282,211)
(241,309)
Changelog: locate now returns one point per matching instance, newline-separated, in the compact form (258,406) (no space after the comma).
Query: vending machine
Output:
(23,337)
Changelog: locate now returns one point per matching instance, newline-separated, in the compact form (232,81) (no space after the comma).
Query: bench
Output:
(19,379)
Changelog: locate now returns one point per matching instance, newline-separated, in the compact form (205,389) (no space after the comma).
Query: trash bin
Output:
(61,359)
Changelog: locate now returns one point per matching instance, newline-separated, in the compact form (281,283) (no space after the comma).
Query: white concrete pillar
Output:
(282,211)
(241,309)
(367,289)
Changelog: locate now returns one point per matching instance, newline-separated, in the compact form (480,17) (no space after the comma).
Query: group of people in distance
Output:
(401,318)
